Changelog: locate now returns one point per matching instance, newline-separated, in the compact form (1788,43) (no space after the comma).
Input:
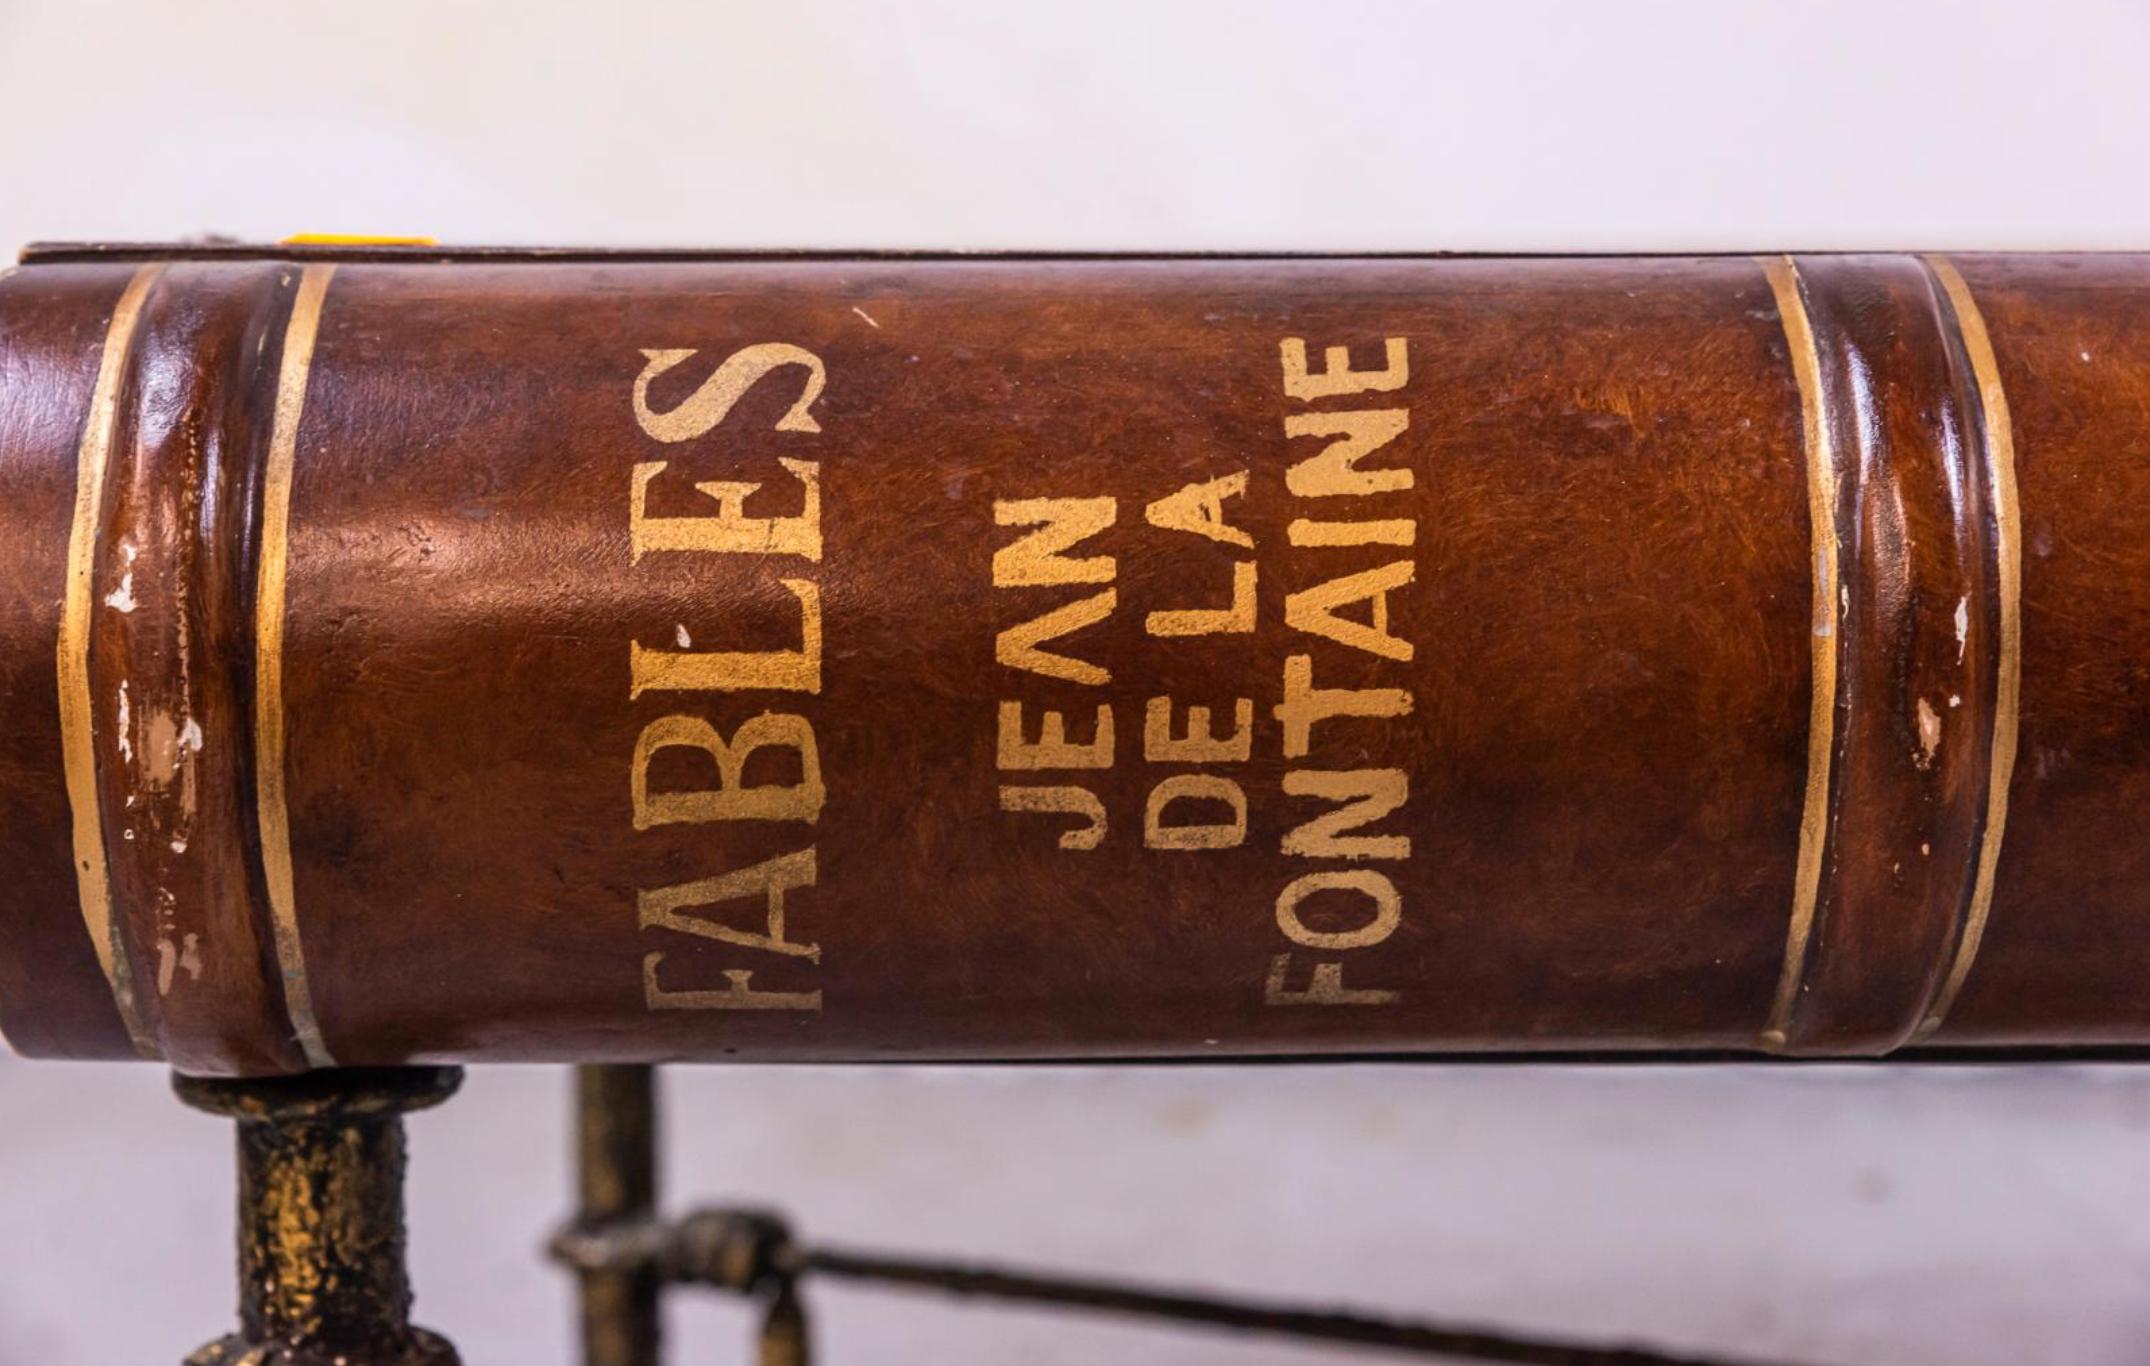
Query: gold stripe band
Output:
(93,879)
(1821,706)
(2000,445)
(270,803)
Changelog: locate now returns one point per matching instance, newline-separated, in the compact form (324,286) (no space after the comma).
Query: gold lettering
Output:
(693,908)
(1307,532)
(1211,621)
(1375,887)
(738,996)
(1326,988)
(1228,834)
(731,530)
(1198,745)
(1334,472)
(1017,647)
(723,671)
(1339,378)
(1367,903)
(1068,801)
(712,402)
(663,907)
(1304,704)
(1035,560)
(1371,793)
(1052,748)
(1199,509)
(1313,610)
(729,801)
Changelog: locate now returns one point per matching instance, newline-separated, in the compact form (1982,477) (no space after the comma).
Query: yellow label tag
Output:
(354,239)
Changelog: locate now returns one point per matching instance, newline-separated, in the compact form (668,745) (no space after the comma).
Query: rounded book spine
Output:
(414,655)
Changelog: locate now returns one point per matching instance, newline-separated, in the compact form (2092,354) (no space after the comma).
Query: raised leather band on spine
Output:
(174,747)
(1821,714)
(170,644)
(1915,651)
(77,731)
(272,810)
(1999,448)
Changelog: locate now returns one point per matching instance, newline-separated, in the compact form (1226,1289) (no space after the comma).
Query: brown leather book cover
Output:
(419,655)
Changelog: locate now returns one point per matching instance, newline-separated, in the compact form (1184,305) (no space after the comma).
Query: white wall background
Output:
(1963,1216)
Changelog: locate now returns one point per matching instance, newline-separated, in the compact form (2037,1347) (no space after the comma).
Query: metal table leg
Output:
(322,1277)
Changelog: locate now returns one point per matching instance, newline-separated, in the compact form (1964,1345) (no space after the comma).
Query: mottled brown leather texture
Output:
(682,657)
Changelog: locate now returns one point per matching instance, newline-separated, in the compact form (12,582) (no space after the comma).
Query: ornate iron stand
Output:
(322,1277)
(323,1281)
(625,1254)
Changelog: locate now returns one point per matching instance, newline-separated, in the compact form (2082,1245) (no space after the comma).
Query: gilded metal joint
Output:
(322,1276)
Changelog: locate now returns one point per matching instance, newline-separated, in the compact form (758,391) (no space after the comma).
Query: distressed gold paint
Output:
(1070,801)
(1206,789)
(1022,646)
(1338,379)
(1304,531)
(77,730)
(321,1231)
(1235,619)
(1201,744)
(1039,559)
(1365,796)
(1198,509)
(1821,703)
(2000,450)
(737,671)
(700,908)
(1380,894)
(1325,987)
(1306,703)
(730,531)
(667,908)
(1315,611)
(1334,471)
(1052,748)
(1036,559)
(271,802)
(1349,609)
(731,798)
(709,404)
